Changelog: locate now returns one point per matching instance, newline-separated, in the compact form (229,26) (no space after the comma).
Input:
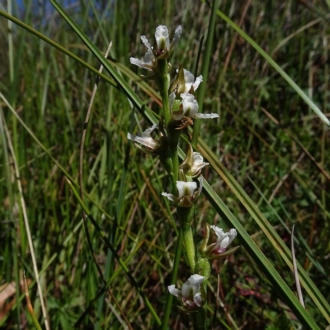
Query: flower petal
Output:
(162,37)
(197,164)
(175,292)
(190,81)
(148,142)
(196,279)
(177,35)
(169,196)
(141,64)
(189,105)
(192,286)
(219,232)
(223,241)
(198,299)
(149,130)
(146,43)
(206,115)
(197,82)
(186,188)
(232,234)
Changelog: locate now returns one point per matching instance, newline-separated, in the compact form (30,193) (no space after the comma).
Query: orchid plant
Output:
(180,110)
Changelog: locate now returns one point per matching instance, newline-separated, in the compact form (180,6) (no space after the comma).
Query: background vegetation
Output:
(267,137)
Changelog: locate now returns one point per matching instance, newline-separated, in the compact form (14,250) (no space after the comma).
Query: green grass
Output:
(267,137)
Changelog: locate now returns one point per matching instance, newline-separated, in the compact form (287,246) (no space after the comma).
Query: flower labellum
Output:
(190,293)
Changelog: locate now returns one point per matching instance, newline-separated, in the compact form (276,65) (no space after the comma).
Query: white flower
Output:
(190,293)
(224,239)
(189,105)
(163,46)
(146,142)
(163,39)
(187,193)
(193,163)
(197,163)
(185,82)
(190,108)
(146,63)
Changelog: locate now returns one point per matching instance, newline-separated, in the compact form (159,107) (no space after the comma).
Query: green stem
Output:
(164,85)
(174,135)
(175,162)
(169,299)
(185,214)
(199,318)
